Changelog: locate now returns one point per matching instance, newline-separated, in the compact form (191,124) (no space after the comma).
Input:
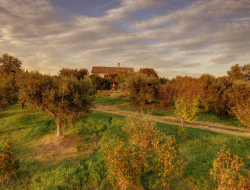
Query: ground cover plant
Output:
(79,163)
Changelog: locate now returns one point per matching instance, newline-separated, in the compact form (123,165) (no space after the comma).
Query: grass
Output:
(78,162)
(156,109)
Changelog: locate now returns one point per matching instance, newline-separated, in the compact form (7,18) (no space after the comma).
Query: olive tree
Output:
(9,63)
(7,93)
(141,88)
(78,73)
(67,99)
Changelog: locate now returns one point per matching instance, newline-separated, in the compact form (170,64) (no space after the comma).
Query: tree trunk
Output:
(22,104)
(59,130)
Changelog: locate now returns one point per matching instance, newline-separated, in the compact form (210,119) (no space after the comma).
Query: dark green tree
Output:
(7,93)
(9,64)
(67,99)
(100,83)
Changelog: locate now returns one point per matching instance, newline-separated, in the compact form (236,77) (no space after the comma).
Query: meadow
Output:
(76,162)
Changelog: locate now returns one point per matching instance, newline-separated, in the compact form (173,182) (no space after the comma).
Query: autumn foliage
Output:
(8,162)
(126,164)
(167,159)
(226,170)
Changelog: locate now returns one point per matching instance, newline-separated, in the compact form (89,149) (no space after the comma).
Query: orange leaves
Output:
(226,170)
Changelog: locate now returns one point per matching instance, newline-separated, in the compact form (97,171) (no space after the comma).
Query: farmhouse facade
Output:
(104,72)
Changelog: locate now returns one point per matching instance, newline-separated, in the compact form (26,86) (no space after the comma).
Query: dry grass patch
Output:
(54,149)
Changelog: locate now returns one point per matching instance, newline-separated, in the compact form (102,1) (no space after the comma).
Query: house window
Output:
(105,76)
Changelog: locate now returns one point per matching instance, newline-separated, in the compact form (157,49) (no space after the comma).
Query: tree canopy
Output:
(150,72)
(239,72)
(78,73)
(9,64)
(65,98)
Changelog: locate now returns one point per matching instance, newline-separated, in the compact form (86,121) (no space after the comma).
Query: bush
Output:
(8,162)
(182,134)
(141,88)
(167,159)
(79,74)
(141,129)
(126,165)
(226,170)
(100,83)
(116,94)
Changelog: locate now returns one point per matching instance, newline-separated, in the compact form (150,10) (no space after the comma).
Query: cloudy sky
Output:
(175,37)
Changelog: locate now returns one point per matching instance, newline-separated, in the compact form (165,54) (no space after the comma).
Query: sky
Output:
(175,37)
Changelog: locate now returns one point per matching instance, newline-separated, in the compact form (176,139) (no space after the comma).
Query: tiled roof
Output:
(96,69)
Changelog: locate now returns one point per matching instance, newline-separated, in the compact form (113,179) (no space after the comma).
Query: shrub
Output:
(141,129)
(167,159)
(126,165)
(8,162)
(182,134)
(141,88)
(117,94)
(226,170)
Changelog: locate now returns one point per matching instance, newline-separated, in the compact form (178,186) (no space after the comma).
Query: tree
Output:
(150,72)
(141,88)
(164,80)
(187,92)
(100,83)
(7,93)
(65,98)
(166,92)
(78,73)
(239,73)
(9,64)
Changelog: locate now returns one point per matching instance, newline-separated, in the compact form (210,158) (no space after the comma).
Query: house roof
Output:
(97,69)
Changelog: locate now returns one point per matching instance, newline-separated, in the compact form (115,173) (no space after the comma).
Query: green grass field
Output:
(76,162)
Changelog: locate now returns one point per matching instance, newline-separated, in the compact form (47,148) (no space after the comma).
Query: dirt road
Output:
(220,128)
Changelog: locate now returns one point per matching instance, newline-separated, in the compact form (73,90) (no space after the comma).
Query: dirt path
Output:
(220,128)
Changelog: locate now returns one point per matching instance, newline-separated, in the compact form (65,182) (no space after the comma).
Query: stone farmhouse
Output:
(104,72)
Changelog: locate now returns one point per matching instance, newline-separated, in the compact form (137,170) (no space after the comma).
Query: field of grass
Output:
(76,161)
(157,110)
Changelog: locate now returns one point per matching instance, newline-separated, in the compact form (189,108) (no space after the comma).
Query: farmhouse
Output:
(105,71)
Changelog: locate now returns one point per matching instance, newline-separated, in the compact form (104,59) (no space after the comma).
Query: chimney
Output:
(118,65)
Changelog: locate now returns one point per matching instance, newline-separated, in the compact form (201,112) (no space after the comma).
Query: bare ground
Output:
(220,128)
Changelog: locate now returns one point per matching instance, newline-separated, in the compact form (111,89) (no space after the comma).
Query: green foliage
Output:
(217,98)
(9,64)
(8,162)
(182,134)
(126,164)
(167,159)
(150,72)
(226,170)
(186,109)
(100,83)
(141,129)
(78,73)
(163,80)
(141,89)
(65,98)
(112,76)
(7,93)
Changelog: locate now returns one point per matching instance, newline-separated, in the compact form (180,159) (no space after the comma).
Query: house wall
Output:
(101,74)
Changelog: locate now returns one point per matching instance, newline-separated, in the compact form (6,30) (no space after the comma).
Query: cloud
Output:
(205,33)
